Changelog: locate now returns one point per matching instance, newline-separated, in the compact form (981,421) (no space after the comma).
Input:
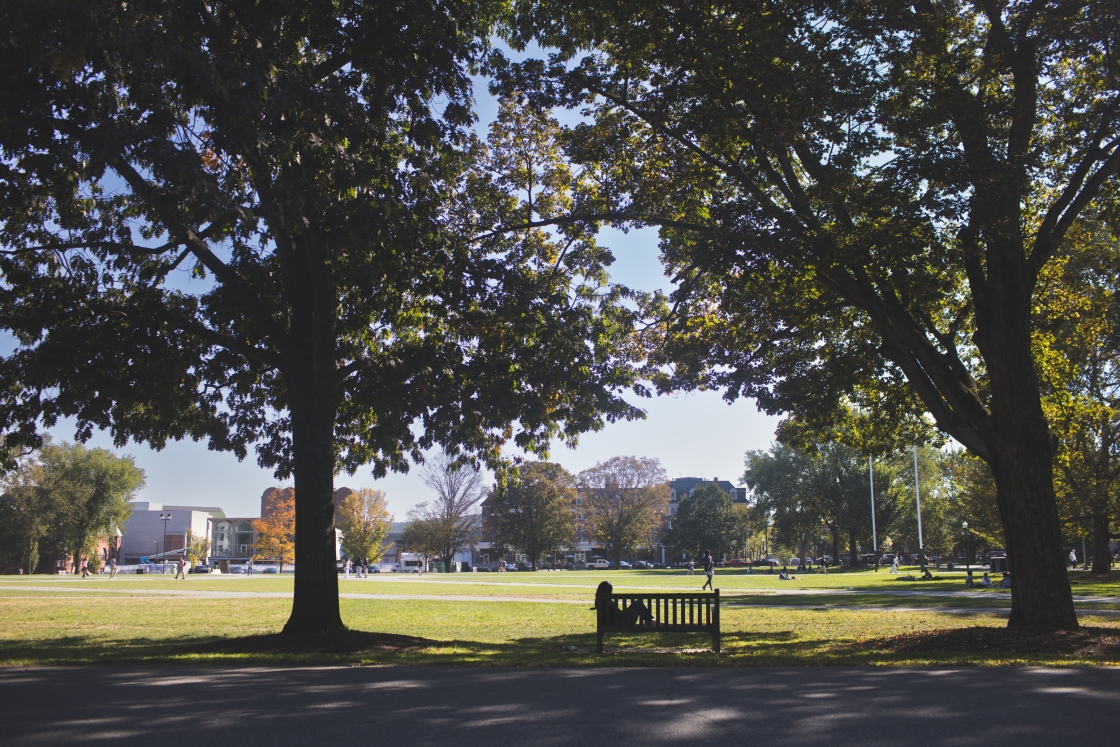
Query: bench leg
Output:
(600,643)
(715,642)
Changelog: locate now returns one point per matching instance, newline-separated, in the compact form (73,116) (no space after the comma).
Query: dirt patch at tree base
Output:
(342,642)
(1084,642)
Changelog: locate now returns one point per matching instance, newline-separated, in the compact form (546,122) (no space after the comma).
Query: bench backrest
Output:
(685,612)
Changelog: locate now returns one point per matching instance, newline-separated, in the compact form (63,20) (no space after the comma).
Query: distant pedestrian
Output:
(181,569)
(249,567)
(894,564)
(85,567)
(968,580)
(709,569)
(1073,559)
(112,568)
(346,568)
(691,566)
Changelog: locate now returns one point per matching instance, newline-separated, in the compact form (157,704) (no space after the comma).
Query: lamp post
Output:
(874,539)
(164,518)
(918,500)
(967,536)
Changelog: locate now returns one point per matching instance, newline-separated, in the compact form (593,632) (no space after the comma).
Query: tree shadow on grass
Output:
(342,643)
(84,649)
(973,645)
(1086,643)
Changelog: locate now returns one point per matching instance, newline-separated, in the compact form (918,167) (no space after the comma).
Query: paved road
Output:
(196,706)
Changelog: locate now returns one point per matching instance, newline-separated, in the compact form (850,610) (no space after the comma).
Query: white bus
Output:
(409,563)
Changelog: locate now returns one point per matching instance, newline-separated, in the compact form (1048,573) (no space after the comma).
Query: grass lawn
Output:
(529,619)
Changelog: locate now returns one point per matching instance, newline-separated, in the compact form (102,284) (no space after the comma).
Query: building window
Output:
(223,539)
(244,538)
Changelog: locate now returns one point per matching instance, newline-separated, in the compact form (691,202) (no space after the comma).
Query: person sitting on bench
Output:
(616,617)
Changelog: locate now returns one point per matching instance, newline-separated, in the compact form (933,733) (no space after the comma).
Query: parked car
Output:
(661,566)
(623,565)
(764,561)
(200,568)
(642,564)
(271,569)
(736,563)
(598,564)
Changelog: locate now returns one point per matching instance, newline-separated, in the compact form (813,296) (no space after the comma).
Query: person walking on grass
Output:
(691,566)
(181,569)
(709,569)
(112,568)
(894,564)
(249,568)
(85,567)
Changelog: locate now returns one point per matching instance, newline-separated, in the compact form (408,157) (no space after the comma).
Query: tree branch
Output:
(229,278)
(594,218)
(266,357)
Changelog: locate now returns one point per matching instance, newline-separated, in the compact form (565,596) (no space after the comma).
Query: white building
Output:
(146,534)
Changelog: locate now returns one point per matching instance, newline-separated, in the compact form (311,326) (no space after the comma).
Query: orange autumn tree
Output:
(276,530)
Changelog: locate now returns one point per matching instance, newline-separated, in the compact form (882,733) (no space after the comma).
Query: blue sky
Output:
(695,434)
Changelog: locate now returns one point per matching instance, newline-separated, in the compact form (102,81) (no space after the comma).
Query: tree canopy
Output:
(365,522)
(856,201)
(62,499)
(270,227)
(276,530)
(622,500)
(705,520)
(449,524)
(1077,350)
(536,514)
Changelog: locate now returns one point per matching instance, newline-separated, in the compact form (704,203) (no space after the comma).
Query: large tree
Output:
(851,191)
(365,522)
(256,224)
(63,498)
(1077,344)
(705,520)
(827,485)
(450,523)
(276,529)
(536,514)
(622,499)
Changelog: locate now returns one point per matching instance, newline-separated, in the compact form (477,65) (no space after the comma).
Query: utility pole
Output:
(918,498)
(874,538)
(163,560)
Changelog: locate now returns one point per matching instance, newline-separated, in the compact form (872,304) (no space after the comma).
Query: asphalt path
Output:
(195,706)
(67,584)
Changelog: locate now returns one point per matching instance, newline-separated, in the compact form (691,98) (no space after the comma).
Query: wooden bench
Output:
(695,612)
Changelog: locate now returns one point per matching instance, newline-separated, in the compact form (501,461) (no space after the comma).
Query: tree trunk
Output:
(853,555)
(1022,465)
(835,531)
(315,607)
(1100,542)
